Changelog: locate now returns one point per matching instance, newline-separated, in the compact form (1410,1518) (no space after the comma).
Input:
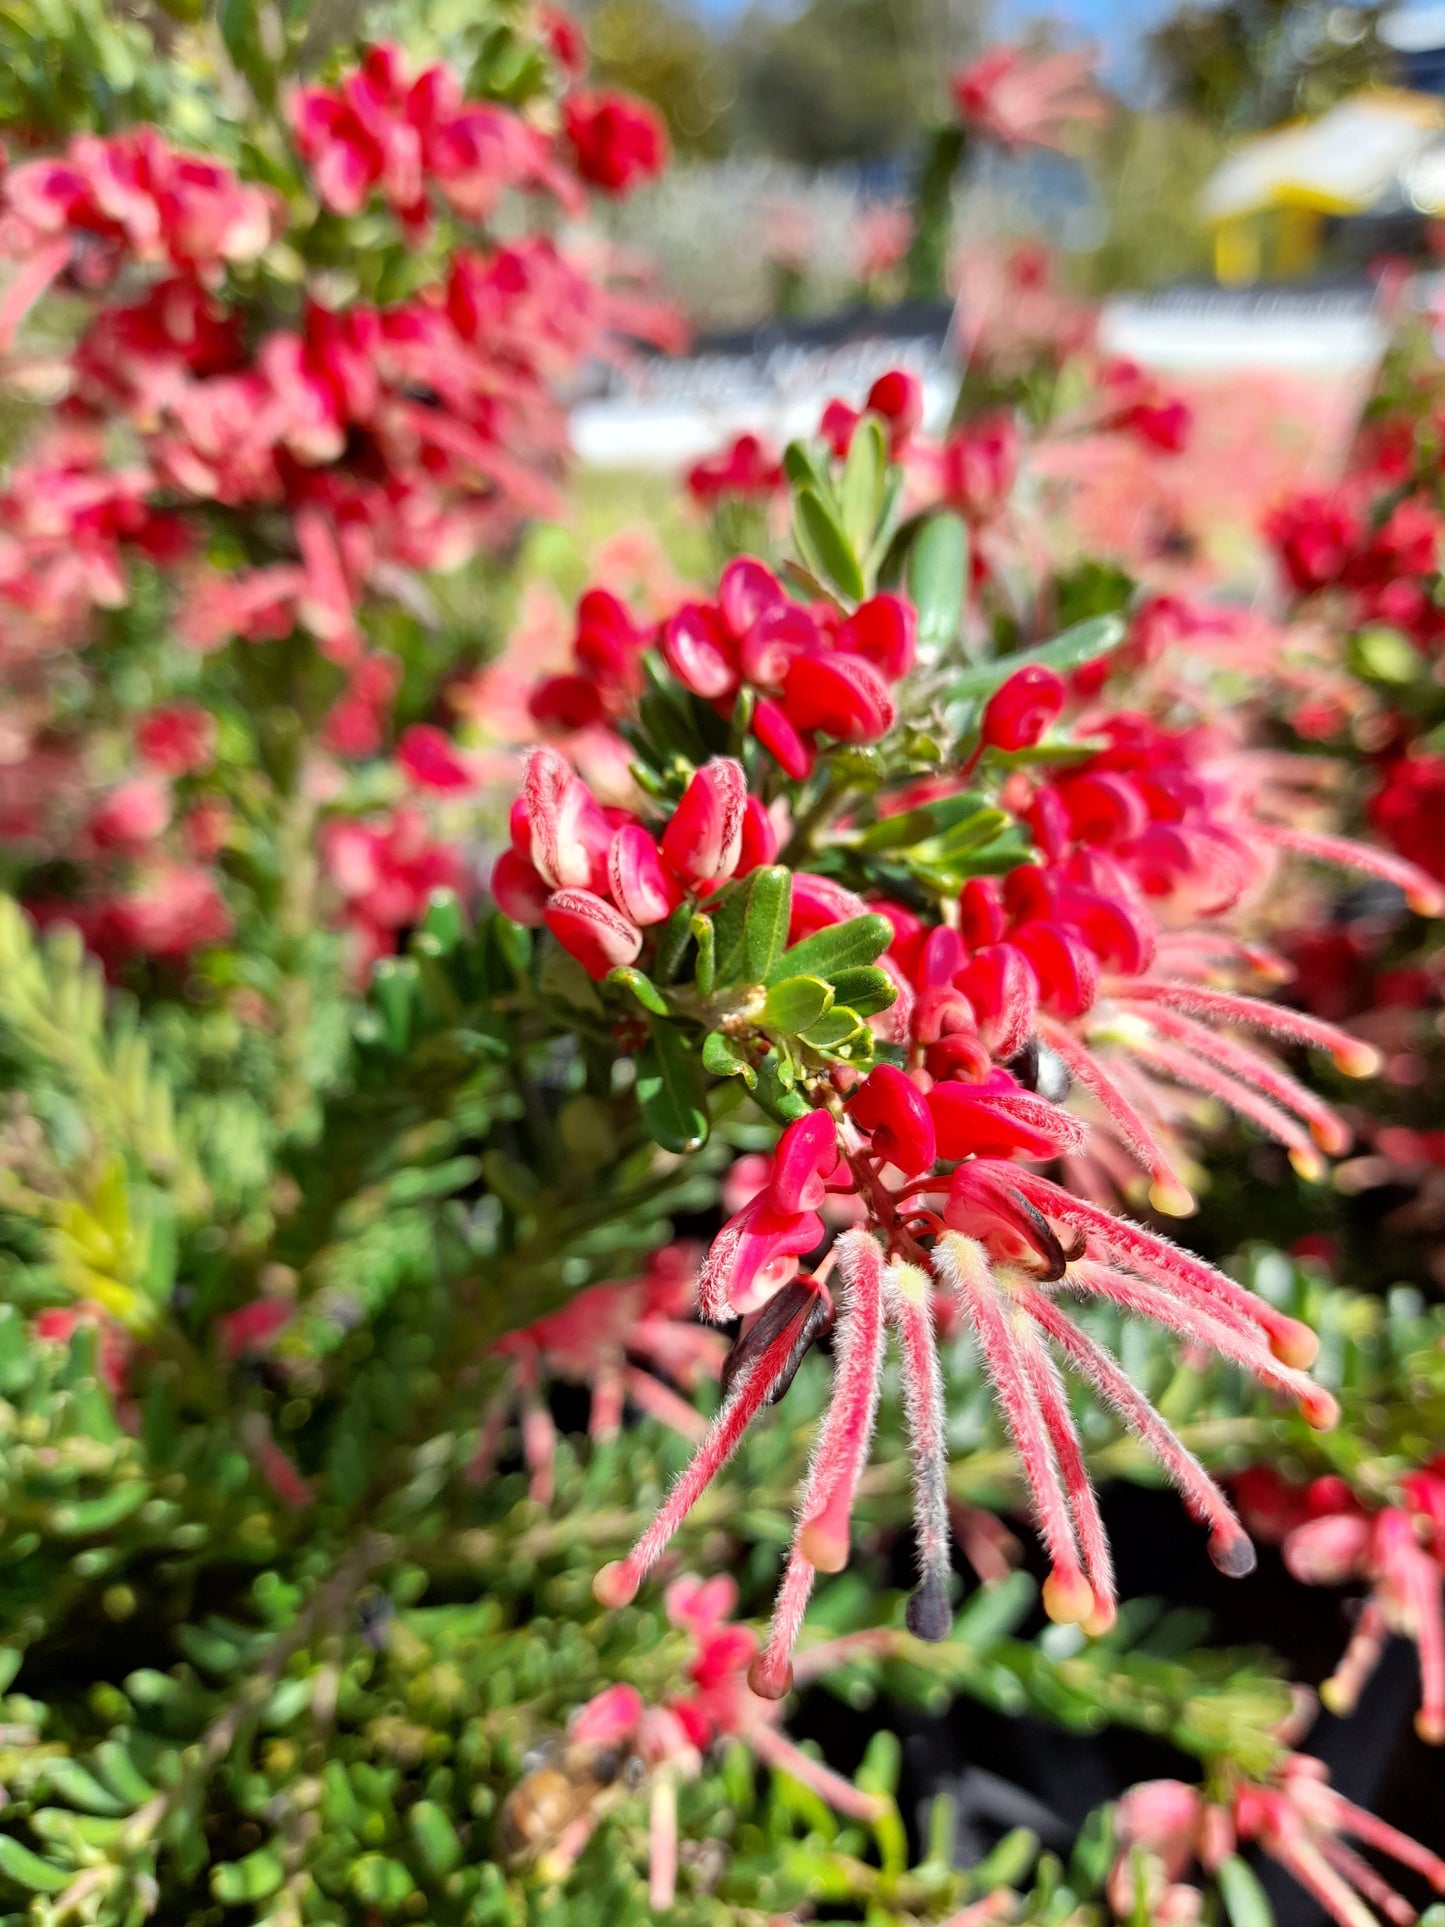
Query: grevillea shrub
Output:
(500,1297)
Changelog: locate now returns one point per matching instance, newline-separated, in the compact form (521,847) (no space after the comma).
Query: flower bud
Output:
(599,937)
(698,651)
(843,695)
(1020,710)
(520,893)
(703,841)
(807,1154)
(883,630)
(892,1108)
(641,888)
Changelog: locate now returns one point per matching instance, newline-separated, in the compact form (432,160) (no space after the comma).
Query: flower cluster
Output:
(670,1739)
(1017,99)
(1295,1816)
(280,478)
(1330,1537)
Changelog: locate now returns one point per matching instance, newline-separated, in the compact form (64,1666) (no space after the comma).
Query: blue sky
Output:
(1116,24)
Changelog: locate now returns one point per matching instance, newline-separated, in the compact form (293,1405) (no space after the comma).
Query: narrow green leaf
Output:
(795,1003)
(722,1056)
(669,1091)
(1083,643)
(26,1869)
(395,983)
(672,941)
(860,494)
(842,946)
(71,1782)
(805,465)
(445,920)
(1245,1901)
(765,927)
(642,987)
(257,1877)
(777,1091)
(728,910)
(824,546)
(435,1837)
(705,971)
(865,989)
(937,577)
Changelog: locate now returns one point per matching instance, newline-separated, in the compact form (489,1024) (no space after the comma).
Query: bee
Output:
(567,1787)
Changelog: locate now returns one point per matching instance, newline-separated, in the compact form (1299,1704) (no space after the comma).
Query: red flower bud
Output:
(641,888)
(898,398)
(566,702)
(747,590)
(759,840)
(703,841)
(783,743)
(843,695)
(891,1107)
(699,652)
(807,1154)
(599,937)
(428,757)
(519,892)
(1020,710)
(883,630)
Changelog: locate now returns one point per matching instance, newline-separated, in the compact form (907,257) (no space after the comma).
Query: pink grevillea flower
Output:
(714,1704)
(1021,99)
(1295,1816)
(1330,1537)
(635,1340)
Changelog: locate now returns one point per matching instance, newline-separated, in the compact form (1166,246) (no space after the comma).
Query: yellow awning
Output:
(1341,163)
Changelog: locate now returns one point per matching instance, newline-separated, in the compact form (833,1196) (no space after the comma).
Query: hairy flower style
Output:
(1296,1817)
(1330,1537)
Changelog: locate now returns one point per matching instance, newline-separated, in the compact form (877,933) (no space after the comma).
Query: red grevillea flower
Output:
(1295,1816)
(635,1340)
(1006,1247)
(715,1704)
(1330,1537)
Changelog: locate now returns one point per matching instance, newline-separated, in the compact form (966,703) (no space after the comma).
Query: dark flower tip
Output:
(928,1614)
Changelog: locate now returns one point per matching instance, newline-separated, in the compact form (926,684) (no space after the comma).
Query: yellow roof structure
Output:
(1341,163)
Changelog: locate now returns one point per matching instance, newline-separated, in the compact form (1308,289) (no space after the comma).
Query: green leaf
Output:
(805,466)
(842,946)
(765,927)
(795,1003)
(672,942)
(79,1788)
(860,494)
(1083,643)
(777,1090)
(1245,1901)
(642,987)
(395,983)
(669,1091)
(722,1057)
(833,1028)
(865,989)
(937,578)
(824,546)
(26,1869)
(257,1877)
(705,970)
(381,1882)
(436,1838)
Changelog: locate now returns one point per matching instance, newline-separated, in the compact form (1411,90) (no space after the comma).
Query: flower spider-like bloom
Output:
(1298,1819)
(1330,1537)
(1007,1246)
(716,1704)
